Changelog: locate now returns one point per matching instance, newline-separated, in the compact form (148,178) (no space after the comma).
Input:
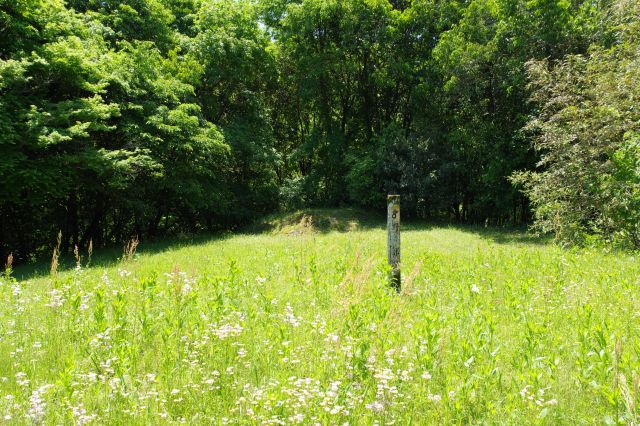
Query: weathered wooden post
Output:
(393,239)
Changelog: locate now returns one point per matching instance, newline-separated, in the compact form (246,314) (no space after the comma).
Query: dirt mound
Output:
(312,221)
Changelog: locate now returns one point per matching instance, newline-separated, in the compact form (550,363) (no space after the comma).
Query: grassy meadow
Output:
(295,323)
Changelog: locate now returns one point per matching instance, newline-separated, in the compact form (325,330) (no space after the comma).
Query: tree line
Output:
(150,117)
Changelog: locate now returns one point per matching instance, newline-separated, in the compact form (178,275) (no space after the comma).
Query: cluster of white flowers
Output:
(102,339)
(225,331)
(56,298)
(84,302)
(528,394)
(37,405)
(318,325)
(107,366)
(184,283)
(386,392)
(10,401)
(332,338)
(434,397)
(123,273)
(375,406)
(211,380)
(290,317)
(21,379)
(81,416)
(335,399)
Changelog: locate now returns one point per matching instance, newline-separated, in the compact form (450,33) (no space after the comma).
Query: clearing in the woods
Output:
(296,323)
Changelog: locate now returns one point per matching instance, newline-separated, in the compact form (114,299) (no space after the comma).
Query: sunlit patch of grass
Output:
(303,328)
(312,221)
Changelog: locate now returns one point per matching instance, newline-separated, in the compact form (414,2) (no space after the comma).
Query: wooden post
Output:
(393,239)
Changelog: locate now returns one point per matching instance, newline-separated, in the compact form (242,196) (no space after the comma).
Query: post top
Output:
(392,197)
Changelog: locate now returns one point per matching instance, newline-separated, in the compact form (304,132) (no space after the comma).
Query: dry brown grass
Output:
(55,256)
(130,249)
(354,283)
(76,255)
(90,252)
(9,265)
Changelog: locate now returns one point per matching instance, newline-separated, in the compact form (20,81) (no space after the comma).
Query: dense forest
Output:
(150,117)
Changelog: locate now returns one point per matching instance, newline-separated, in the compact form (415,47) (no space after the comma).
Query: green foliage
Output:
(623,192)
(448,78)
(105,137)
(143,117)
(586,130)
(237,70)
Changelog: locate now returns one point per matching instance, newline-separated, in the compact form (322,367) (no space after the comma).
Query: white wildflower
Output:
(21,379)
(290,317)
(37,405)
(186,288)
(81,416)
(56,299)
(227,330)
(433,397)
(298,418)
(84,300)
(468,362)
(375,406)
(332,338)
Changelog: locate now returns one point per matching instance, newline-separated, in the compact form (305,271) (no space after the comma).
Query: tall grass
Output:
(303,328)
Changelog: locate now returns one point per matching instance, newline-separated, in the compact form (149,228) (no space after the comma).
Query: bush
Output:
(586,130)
